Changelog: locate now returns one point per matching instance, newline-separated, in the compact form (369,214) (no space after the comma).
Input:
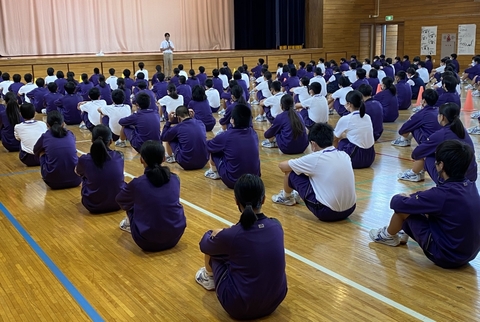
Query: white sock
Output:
(287,194)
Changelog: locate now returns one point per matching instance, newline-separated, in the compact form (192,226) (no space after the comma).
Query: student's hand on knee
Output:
(191,112)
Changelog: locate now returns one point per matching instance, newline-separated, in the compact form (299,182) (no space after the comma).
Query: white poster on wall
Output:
(466,39)
(448,45)
(428,44)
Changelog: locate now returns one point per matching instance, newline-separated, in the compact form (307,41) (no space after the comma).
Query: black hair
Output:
(305,81)
(167,34)
(237,92)
(451,112)
(322,134)
(398,58)
(261,61)
(450,83)
(454,56)
(121,83)
(365,89)
(298,127)
(182,111)
(71,77)
(290,61)
(142,85)
(141,65)
(17,78)
(201,69)
(456,157)
(237,75)
(94,93)
(209,82)
(286,69)
(215,72)
(242,116)
(27,110)
(143,100)
(406,57)
(101,137)
(180,67)
(353,65)
(127,73)
(356,99)
(85,78)
(280,65)
(373,73)
(191,72)
(55,121)
(70,87)
(388,83)
(318,71)
(412,71)
(316,87)
(158,68)
(225,63)
(172,89)
(241,69)
(293,72)
(416,59)
(153,153)
(382,56)
(389,61)
(344,81)
(12,109)
(182,79)
(401,74)
(52,87)
(50,71)
(429,57)
(430,96)
(198,93)
(367,61)
(96,71)
(40,82)
(250,193)
(421,63)
(161,77)
(276,86)
(118,96)
(302,64)
(101,81)
(309,68)
(141,75)
(5,76)
(60,74)
(361,73)
(111,71)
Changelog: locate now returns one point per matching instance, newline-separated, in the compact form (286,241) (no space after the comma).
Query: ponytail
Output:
(356,99)
(153,153)
(297,125)
(451,112)
(362,109)
(249,194)
(101,137)
(12,109)
(172,89)
(388,82)
(55,121)
(457,127)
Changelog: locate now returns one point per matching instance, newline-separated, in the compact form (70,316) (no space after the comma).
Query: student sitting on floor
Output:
(170,102)
(9,118)
(50,98)
(36,95)
(84,87)
(354,132)
(127,93)
(111,114)
(28,132)
(201,76)
(141,126)
(315,108)
(324,179)
(155,217)
(160,87)
(404,91)
(288,131)
(318,78)
(142,88)
(61,82)
(90,115)
(186,142)
(421,124)
(93,79)
(449,94)
(112,79)
(58,154)
(213,96)
(184,90)
(201,108)
(271,105)
(361,74)
(235,152)
(245,263)
(424,154)
(374,109)
(105,90)
(236,98)
(373,80)
(68,105)
(301,93)
(337,100)
(192,80)
(388,98)
(102,173)
(442,220)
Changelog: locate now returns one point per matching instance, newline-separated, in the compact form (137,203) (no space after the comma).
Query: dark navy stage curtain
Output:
(268,24)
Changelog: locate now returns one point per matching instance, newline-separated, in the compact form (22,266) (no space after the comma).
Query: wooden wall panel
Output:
(149,65)
(252,61)
(187,63)
(313,23)
(120,66)
(336,56)
(209,64)
(80,68)
(17,69)
(305,58)
(273,60)
(233,62)
(41,70)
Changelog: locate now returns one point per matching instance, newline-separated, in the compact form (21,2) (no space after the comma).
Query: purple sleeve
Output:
(423,202)
(218,245)
(80,169)
(31,94)
(38,148)
(412,124)
(427,147)
(126,196)
(129,120)
(217,144)
(226,117)
(59,102)
(168,133)
(274,129)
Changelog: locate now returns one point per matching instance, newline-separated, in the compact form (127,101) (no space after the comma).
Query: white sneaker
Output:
(416,109)
(269,144)
(170,159)
(121,144)
(474,130)
(260,118)
(222,112)
(44,111)
(82,126)
(402,237)
(476,93)
(401,141)
(381,236)
(409,175)
(296,196)
(475,115)
(207,281)
(281,199)
(255,102)
(330,111)
(212,174)
(469,86)
(125,225)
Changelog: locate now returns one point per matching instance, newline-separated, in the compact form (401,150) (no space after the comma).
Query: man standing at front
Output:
(167,49)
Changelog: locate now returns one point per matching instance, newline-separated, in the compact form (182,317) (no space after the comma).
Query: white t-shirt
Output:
(246,79)
(441,69)
(170,103)
(224,79)
(367,67)
(341,94)
(115,113)
(25,89)
(28,133)
(321,81)
(381,75)
(164,45)
(183,73)
(274,103)
(302,93)
(213,97)
(317,108)
(351,74)
(50,79)
(259,80)
(359,129)
(331,175)
(423,73)
(322,67)
(91,108)
(263,87)
(112,81)
(279,71)
(144,71)
(4,86)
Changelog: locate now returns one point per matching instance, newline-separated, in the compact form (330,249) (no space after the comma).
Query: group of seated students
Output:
(297,104)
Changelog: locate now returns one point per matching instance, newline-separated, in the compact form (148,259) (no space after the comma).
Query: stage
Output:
(37,65)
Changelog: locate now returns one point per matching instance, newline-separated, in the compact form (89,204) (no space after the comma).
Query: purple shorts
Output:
(301,183)
(87,122)
(308,122)
(361,158)
(341,110)
(217,159)
(30,160)
(268,114)
(105,121)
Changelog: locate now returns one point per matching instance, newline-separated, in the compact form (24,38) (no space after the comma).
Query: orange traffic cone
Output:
(468,106)
(420,97)
(379,88)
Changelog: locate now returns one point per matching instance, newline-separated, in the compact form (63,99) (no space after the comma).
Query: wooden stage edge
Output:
(37,65)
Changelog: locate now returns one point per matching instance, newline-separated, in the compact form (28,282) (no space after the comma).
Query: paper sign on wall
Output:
(466,39)
(428,44)
(448,44)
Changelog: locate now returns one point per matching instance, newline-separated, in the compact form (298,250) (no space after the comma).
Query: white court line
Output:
(319,267)
(83,141)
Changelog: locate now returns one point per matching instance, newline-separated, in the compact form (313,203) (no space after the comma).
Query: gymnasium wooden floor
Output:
(59,263)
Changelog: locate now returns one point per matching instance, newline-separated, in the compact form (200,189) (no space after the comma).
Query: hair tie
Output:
(248,204)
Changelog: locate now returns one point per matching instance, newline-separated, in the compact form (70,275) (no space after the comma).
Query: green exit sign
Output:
(388,18)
